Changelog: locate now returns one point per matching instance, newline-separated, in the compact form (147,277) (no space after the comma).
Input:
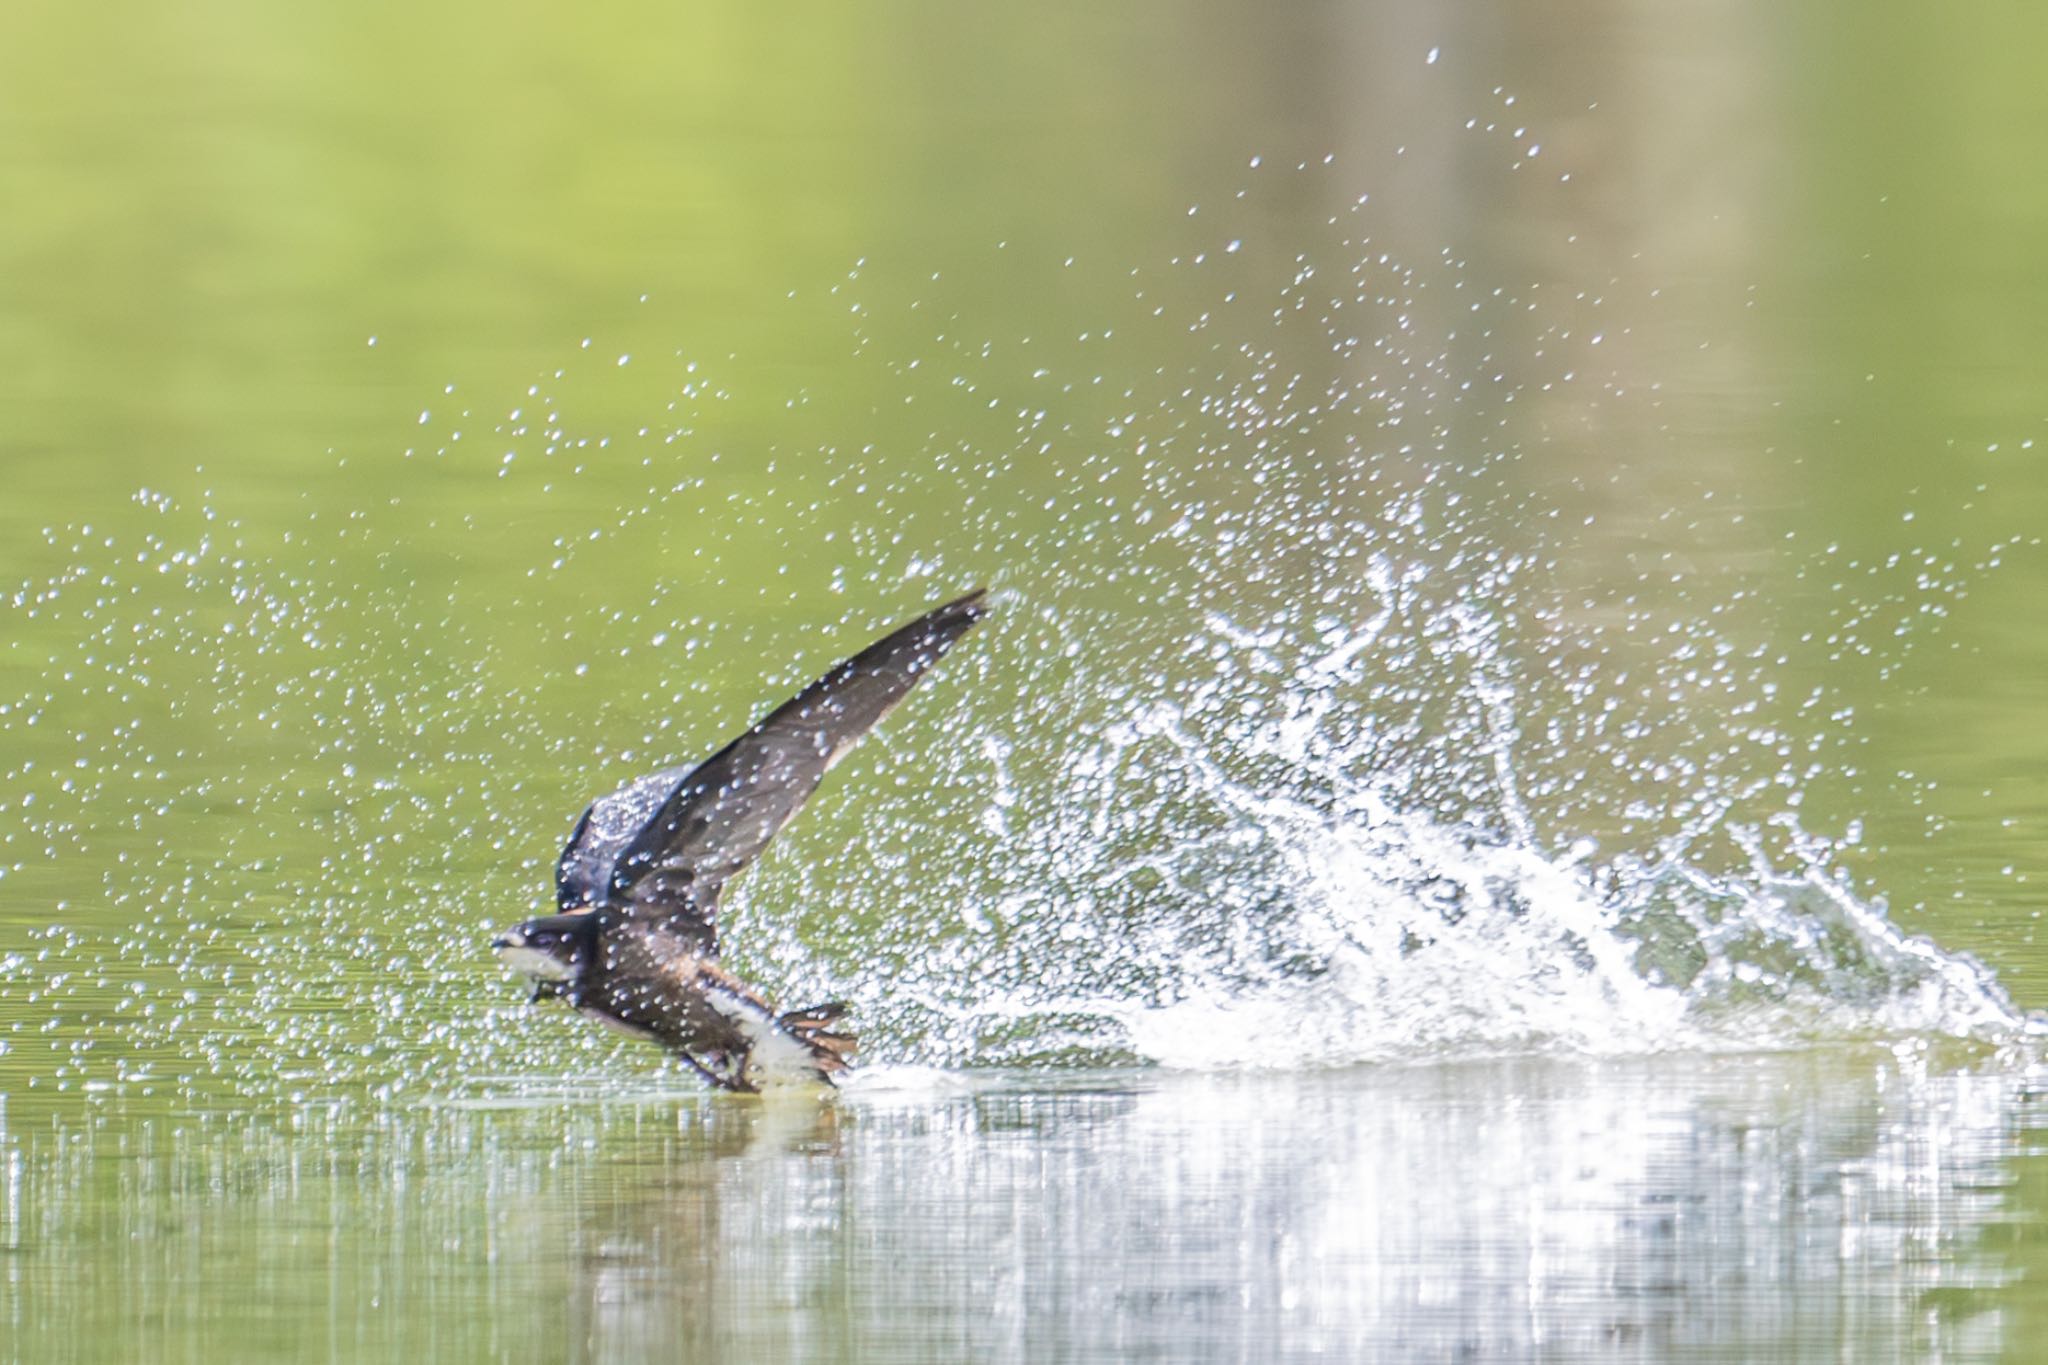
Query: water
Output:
(1493,817)
(1737,1208)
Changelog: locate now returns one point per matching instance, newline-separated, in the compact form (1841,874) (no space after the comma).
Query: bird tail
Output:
(831,1048)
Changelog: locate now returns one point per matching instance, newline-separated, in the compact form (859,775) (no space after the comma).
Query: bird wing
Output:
(720,815)
(584,872)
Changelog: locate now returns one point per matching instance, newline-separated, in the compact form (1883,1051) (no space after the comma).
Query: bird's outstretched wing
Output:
(716,818)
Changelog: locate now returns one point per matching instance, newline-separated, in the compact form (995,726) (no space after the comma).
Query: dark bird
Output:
(635,941)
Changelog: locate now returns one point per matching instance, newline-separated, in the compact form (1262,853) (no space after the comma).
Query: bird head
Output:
(547,949)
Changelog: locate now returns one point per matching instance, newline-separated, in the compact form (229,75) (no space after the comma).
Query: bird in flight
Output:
(634,940)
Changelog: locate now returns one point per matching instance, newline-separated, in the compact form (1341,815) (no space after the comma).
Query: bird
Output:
(633,942)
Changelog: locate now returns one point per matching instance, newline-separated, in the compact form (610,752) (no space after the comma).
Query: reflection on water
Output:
(1737,1208)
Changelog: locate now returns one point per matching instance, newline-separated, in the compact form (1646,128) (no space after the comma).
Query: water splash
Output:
(1416,939)
(1313,726)
(1244,876)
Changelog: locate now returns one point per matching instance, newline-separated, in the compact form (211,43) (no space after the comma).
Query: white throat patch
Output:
(534,963)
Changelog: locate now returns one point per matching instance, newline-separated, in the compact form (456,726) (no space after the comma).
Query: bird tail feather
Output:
(831,1048)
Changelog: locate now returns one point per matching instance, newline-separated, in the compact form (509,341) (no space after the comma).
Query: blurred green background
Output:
(888,280)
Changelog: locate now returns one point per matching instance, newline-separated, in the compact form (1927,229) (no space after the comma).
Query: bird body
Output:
(634,943)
